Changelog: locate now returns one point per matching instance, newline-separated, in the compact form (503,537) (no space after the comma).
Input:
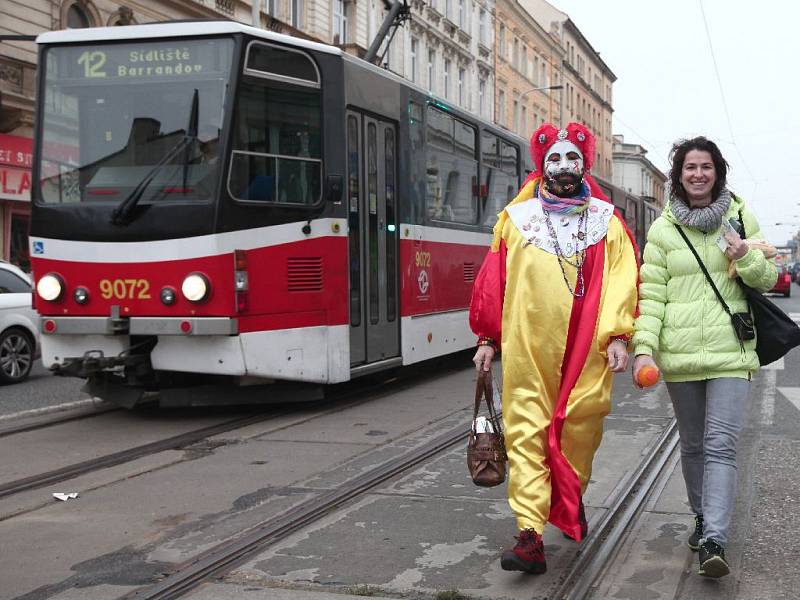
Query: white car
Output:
(19,325)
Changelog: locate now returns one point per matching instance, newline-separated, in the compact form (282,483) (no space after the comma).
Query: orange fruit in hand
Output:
(648,375)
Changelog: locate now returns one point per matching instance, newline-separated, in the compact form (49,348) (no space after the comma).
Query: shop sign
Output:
(16,157)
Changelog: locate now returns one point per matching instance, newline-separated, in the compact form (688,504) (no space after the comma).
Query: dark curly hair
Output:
(677,157)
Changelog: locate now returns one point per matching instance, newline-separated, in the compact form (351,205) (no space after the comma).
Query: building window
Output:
(447,78)
(448,9)
(295,18)
(482,27)
(77,17)
(524,120)
(501,108)
(414,68)
(432,70)
(462,14)
(515,116)
(515,54)
(481,97)
(524,66)
(501,42)
(461,76)
(271,7)
(339,22)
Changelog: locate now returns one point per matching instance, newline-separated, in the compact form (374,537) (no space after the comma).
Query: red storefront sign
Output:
(16,157)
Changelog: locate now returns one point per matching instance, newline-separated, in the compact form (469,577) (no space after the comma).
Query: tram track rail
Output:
(225,556)
(129,454)
(58,418)
(352,393)
(600,548)
(596,553)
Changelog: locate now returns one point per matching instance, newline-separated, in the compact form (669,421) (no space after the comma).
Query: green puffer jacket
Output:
(681,321)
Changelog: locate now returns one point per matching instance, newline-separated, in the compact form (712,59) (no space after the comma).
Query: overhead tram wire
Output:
(724,102)
(653,146)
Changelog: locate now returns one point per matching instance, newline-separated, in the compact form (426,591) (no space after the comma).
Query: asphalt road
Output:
(41,390)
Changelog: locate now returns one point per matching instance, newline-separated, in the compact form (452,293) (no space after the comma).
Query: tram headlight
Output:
(195,287)
(50,287)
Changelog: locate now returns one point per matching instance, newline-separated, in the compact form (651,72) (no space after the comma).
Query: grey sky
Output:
(667,87)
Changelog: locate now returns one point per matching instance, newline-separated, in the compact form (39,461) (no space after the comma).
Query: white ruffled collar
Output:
(528,217)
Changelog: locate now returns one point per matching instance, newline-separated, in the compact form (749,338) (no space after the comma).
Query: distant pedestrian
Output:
(706,365)
(560,284)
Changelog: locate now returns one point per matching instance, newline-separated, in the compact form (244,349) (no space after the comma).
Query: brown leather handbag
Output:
(486,452)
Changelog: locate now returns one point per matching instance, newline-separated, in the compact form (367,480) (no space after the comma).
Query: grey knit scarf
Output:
(706,219)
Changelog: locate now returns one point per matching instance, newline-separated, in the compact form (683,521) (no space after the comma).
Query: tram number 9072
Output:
(422,259)
(125,289)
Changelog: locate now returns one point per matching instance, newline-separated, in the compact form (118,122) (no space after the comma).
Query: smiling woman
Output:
(688,307)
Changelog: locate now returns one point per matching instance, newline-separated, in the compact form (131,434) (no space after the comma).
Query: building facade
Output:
(445,46)
(588,81)
(527,60)
(634,172)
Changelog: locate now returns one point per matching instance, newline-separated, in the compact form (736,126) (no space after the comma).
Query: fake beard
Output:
(564,184)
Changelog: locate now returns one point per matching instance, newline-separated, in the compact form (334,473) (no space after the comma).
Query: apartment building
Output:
(587,80)
(634,172)
(445,46)
(527,66)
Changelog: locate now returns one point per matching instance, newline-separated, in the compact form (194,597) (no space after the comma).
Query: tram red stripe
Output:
(437,276)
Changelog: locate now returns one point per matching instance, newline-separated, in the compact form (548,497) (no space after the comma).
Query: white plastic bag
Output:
(483,425)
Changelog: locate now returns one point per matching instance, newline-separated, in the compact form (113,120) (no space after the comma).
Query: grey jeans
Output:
(710,415)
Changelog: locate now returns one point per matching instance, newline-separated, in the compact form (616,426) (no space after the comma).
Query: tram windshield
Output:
(136,120)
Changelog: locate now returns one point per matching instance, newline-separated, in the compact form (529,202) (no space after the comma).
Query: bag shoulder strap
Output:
(705,271)
(741,220)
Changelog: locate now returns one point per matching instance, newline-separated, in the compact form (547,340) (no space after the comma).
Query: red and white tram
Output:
(218,206)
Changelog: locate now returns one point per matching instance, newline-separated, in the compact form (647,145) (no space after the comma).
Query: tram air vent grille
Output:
(469,271)
(305,274)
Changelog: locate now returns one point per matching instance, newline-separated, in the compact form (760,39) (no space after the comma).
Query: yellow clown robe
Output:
(556,381)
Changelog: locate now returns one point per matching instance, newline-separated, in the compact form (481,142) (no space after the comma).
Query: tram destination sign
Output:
(146,60)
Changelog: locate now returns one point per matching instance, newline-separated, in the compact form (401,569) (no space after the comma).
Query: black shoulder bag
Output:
(742,322)
(777,332)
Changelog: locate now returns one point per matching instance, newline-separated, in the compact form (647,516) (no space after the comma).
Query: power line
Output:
(722,95)
(653,146)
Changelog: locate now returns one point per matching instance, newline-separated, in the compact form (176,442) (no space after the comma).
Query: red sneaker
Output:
(527,555)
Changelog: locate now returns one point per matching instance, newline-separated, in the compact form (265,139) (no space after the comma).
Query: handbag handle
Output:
(483,387)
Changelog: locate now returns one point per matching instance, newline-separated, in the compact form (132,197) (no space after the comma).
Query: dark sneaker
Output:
(712,560)
(583,523)
(694,539)
(527,555)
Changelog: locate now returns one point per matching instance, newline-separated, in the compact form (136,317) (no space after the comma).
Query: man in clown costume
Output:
(557,292)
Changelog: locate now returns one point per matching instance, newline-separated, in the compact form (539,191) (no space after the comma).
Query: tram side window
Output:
(499,176)
(452,169)
(277,155)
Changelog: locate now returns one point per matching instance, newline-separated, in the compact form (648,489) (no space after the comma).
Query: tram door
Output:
(373,252)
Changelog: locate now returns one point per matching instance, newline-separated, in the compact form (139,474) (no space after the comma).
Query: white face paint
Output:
(563,157)
(563,168)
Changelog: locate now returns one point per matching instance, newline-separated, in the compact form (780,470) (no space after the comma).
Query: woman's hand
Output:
(483,358)
(617,356)
(737,247)
(641,360)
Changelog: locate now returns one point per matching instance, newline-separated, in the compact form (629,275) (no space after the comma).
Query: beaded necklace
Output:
(580,254)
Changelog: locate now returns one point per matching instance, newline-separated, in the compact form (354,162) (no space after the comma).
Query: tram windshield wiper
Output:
(122,213)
